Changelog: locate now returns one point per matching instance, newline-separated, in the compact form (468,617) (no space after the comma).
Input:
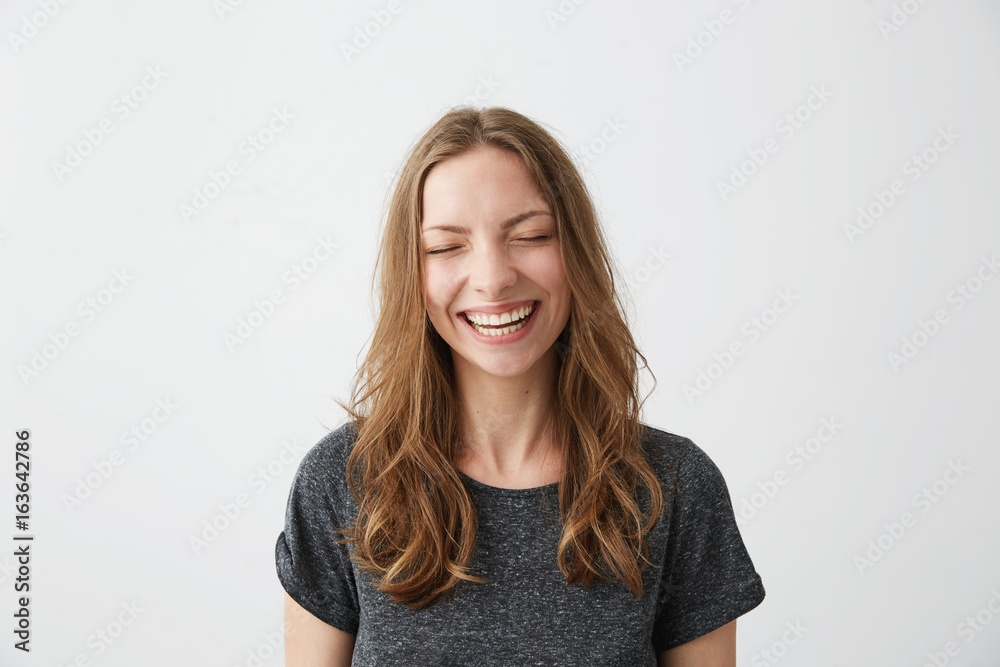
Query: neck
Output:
(506,422)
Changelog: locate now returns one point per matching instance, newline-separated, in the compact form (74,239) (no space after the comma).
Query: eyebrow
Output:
(503,226)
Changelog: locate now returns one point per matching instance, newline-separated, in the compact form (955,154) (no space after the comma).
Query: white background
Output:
(681,129)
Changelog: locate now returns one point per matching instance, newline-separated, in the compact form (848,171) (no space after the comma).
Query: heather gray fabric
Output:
(527,614)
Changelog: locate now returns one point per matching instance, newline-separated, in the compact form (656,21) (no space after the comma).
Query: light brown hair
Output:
(416,525)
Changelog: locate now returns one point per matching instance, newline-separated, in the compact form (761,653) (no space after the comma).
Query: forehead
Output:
(480,184)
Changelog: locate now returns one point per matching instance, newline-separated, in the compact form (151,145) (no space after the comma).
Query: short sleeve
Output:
(312,567)
(708,577)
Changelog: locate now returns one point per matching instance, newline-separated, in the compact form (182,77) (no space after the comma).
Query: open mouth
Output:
(504,328)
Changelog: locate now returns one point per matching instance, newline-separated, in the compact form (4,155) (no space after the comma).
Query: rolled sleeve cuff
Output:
(308,596)
(697,618)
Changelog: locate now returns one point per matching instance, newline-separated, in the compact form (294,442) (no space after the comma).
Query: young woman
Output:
(494,498)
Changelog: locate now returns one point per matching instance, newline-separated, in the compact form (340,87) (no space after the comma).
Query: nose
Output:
(491,271)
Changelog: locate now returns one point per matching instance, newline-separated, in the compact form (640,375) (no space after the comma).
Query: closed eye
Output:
(441,251)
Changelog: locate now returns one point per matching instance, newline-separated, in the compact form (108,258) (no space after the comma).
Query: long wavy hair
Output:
(416,525)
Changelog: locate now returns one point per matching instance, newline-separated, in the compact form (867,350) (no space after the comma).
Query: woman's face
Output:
(490,250)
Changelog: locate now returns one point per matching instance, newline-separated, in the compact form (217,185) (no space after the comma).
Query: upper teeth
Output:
(503,318)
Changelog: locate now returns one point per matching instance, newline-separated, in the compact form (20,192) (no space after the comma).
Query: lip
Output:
(497,310)
(507,338)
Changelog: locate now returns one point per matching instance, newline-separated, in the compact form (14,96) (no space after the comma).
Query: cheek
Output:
(440,288)
(552,271)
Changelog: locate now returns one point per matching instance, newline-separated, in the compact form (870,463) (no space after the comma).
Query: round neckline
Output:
(500,491)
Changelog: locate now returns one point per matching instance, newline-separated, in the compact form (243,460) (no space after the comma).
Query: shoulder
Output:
(322,472)
(683,465)
(678,451)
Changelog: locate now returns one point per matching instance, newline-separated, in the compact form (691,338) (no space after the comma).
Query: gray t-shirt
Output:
(527,614)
